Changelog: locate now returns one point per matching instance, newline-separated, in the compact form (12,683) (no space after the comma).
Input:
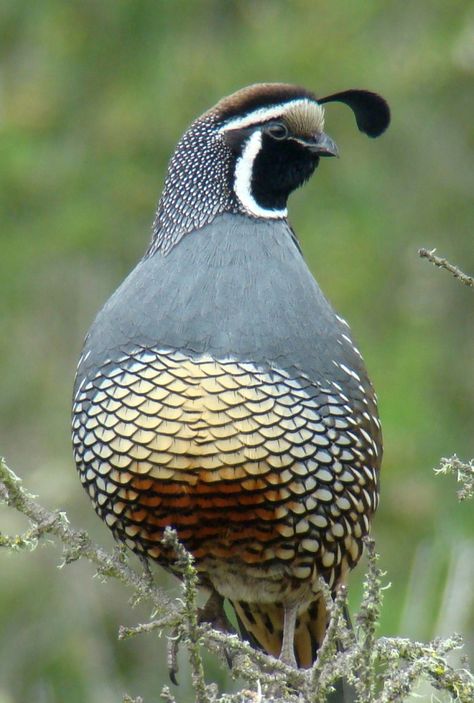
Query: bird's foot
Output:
(288,658)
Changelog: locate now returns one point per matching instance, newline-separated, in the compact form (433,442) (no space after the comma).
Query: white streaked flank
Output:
(341,320)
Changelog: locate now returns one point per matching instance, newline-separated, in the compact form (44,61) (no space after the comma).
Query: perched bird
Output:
(220,394)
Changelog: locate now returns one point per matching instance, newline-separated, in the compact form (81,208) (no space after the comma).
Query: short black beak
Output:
(322,145)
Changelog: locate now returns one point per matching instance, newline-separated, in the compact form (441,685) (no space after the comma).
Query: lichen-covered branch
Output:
(367,620)
(383,670)
(76,544)
(189,629)
(444,264)
(464,472)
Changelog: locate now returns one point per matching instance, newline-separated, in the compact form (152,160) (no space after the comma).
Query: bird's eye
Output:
(278,130)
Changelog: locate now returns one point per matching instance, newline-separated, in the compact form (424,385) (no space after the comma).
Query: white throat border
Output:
(243,180)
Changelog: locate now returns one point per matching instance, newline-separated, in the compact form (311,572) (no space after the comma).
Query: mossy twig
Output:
(464,472)
(76,543)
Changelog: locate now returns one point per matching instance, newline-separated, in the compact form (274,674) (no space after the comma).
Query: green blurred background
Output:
(93,97)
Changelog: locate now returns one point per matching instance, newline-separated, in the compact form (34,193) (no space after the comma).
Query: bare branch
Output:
(444,264)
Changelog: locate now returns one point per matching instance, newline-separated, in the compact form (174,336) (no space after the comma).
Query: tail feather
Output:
(262,625)
(310,631)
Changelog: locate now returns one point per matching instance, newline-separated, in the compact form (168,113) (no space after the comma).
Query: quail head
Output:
(219,393)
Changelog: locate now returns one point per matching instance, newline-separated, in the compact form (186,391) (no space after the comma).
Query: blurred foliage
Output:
(93,97)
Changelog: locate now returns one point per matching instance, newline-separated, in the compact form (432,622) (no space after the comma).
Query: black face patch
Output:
(279,168)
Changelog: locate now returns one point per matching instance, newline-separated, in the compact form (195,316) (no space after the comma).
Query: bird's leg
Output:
(213,613)
(287,653)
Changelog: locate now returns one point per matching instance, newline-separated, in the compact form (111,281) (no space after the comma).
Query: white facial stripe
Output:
(243,180)
(264,114)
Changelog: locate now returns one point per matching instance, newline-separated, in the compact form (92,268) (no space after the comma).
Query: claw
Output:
(172,657)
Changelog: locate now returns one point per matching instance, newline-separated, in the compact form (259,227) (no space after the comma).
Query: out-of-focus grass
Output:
(93,97)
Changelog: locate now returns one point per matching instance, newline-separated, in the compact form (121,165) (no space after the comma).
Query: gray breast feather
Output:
(238,287)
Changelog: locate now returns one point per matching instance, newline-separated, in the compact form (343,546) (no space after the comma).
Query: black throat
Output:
(278,169)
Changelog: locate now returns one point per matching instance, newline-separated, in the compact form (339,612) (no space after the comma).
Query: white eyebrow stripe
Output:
(264,114)
(243,180)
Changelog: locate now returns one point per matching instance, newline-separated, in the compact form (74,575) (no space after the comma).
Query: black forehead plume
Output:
(258,96)
(371,111)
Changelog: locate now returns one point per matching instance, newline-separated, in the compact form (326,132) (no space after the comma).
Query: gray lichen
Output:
(380,670)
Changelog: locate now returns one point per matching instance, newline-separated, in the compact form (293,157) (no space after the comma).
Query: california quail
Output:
(220,394)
